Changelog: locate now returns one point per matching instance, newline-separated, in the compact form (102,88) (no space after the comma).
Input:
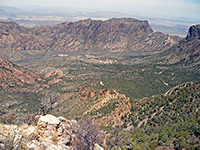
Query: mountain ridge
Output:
(115,35)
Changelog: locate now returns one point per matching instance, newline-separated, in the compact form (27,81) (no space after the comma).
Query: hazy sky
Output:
(160,8)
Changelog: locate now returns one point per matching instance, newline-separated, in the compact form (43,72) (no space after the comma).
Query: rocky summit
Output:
(112,35)
(49,133)
(186,51)
(193,41)
(194,32)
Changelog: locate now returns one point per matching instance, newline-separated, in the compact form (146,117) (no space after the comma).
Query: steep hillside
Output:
(12,75)
(187,52)
(169,121)
(21,90)
(111,35)
(182,100)
(18,79)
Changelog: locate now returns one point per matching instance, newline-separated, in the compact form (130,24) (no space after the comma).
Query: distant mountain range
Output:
(38,16)
(116,35)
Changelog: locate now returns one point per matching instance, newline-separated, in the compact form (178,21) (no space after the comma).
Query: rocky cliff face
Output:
(113,35)
(187,51)
(193,33)
(192,42)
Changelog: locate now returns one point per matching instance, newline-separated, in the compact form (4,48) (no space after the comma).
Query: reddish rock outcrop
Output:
(54,81)
(109,94)
(86,92)
(116,118)
(59,73)
(13,75)
(15,78)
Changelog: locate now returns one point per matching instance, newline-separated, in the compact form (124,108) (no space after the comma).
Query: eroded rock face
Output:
(52,129)
(105,97)
(47,123)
